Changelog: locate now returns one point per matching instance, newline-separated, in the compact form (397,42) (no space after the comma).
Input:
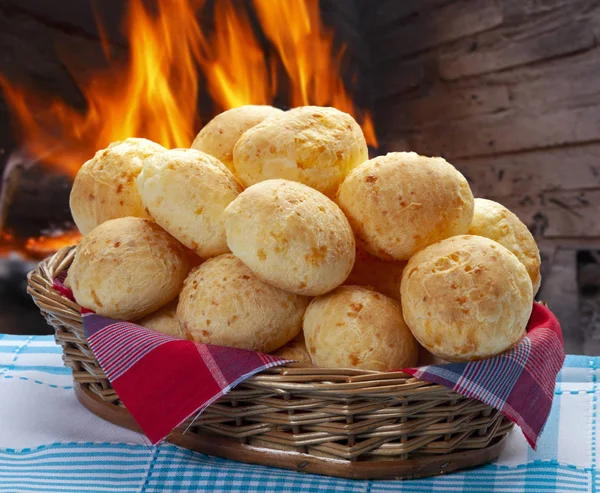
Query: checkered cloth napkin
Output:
(520,382)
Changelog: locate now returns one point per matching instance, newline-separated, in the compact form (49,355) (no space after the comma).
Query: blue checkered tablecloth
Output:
(50,443)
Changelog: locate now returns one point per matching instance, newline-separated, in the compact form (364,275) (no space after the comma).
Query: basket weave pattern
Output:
(354,415)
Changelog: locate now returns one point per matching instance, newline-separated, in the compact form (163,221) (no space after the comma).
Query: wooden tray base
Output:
(295,461)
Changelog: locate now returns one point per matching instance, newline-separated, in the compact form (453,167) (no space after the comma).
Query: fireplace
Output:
(506,91)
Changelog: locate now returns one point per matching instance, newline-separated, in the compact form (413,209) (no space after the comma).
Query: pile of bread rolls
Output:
(276,233)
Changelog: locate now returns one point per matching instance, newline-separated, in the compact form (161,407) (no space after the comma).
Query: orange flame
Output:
(154,92)
(306,50)
(153,96)
(368,128)
(234,65)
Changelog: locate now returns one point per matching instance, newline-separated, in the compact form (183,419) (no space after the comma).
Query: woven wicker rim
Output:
(320,413)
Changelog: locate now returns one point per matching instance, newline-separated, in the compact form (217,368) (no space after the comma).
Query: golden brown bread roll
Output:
(383,276)
(399,203)
(186,192)
(164,320)
(294,350)
(466,298)
(354,327)
(219,136)
(496,222)
(127,268)
(291,237)
(224,303)
(312,145)
(105,186)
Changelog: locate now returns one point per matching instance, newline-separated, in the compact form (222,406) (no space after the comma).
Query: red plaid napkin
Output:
(192,376)
(520,382)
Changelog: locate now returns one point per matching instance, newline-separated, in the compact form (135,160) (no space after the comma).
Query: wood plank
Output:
(441,103)
(572,82)
(571,200)
(519,174)
(560,290)
(73,16)
(348,9)
(41,201)
(404,78)
(575,243)
(430,29)
(7,137)
(29,56)
(558,214)
(518,10)
(506,132)
(343,21)
(381,14)
(509,52)
(574,200)
(554,222)
(30,48)
(564,83)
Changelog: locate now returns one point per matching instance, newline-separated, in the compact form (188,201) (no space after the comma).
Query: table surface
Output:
(50,443)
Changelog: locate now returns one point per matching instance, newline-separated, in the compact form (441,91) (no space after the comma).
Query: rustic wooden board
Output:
(558,214)
(435,27)
(410,76)
(510,53)
(560,289)
(569,82)
(527,173)
(448,103)
(507,132)
(382,14)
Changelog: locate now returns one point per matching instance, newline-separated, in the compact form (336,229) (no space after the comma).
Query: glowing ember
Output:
(47,245)
(39,247)
(154,93)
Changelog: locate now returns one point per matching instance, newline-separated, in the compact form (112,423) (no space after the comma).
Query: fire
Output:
(306,50)
(47,245)
(36,248)
(233,62)
(154,92)
(368,128)
(153,96)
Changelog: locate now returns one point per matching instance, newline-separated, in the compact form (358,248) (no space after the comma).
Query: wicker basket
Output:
(340,422)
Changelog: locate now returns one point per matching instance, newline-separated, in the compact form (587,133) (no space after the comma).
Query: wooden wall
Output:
(509,92)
